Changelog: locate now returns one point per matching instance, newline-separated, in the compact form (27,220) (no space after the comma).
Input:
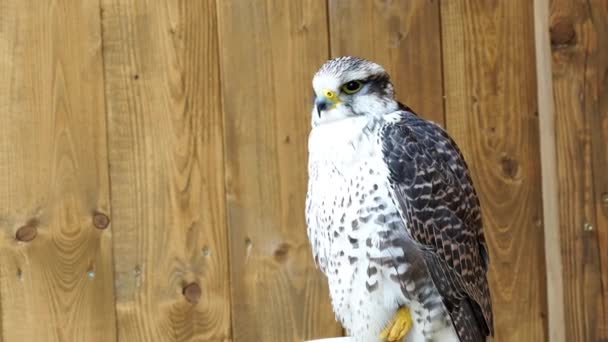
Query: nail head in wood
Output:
(192,292)
(101,221)
(587,227)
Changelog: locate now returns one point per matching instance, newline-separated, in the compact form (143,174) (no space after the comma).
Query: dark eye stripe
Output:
(377,78)
(378,83)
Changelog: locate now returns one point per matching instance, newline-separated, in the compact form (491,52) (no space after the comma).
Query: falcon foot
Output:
(398,326)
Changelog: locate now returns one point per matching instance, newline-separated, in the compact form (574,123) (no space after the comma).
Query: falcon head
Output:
(346,87)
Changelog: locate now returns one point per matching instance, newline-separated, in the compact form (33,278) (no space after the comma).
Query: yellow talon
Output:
(398,326)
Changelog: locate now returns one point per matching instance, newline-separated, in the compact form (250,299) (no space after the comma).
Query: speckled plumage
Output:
(392,214)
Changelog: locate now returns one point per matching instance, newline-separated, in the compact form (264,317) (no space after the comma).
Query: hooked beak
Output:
(328,100)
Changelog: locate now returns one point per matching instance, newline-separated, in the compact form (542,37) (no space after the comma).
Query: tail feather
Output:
(466,323)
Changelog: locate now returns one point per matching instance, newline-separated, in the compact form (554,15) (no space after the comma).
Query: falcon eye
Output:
(352,87)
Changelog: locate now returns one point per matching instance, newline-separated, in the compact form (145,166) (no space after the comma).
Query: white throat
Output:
(341,140)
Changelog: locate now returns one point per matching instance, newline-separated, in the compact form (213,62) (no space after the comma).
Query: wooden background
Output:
(153,159)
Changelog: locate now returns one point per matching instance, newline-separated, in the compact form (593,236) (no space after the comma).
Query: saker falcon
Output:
(392,214)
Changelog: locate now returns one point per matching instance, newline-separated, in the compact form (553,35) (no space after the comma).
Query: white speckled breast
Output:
(358,237)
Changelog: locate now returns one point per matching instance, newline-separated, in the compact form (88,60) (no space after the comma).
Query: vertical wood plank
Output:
(166,158)
(556,330)
(491,110)
(596,106)
(579,41)
(269,53)
(404,36)
(56,279)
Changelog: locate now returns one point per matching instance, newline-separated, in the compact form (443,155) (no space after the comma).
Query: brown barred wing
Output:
(432,188)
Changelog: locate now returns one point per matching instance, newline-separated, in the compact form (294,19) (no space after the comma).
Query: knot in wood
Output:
(509,167)
(27,232)
(562,32)
(101,221)
(280,254)
(192,292)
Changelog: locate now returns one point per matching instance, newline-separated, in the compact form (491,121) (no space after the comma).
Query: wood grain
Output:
(203,125)
(56,279)
(596,106)
(166,158)
(269,53)
(556,325)
(491,111)
(404,36)
(579,38)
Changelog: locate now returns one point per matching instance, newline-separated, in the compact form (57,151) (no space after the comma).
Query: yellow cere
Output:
(330,95)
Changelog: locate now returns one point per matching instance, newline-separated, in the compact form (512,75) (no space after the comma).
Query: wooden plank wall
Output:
(56,266)
(153,159)
(269,50)
(579,56)
(166,168)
